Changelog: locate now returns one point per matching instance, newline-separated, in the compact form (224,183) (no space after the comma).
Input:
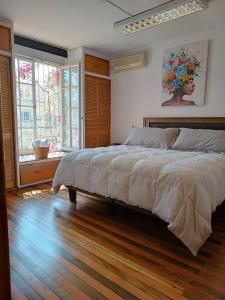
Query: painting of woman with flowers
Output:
(184,75)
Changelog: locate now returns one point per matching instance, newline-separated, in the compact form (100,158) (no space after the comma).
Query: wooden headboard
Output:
(217,123)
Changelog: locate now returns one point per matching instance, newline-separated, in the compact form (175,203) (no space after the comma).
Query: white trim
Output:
(37,54)
(80,108)
(5,53)
(31,162)
(69,67)
(38,60)
(95,53)
(14,108)
(82,117)
(97,75)
(6,22)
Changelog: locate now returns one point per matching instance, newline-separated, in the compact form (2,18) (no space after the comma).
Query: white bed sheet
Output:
(181,188)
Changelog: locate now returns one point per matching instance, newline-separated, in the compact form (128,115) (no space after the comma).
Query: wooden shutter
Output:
(91,95)
(5,291)
(7,122)
(103,112)
(97,111)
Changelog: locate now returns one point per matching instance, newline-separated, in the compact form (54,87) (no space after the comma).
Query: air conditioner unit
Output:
(130,62)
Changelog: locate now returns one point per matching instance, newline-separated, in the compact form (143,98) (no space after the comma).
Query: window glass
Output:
(38,104)
(25,71)
(46,108)
(74,76)
(66,77)
(26,94)
(75,97)
(70,107)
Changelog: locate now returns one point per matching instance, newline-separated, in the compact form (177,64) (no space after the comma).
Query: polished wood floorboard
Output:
(61,250)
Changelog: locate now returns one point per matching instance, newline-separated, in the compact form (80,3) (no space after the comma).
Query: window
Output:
(70,107)
(26,116)
(46,108)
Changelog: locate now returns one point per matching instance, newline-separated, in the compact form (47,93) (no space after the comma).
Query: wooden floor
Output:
(60,250)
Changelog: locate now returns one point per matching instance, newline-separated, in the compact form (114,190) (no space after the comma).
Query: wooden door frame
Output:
(5,288)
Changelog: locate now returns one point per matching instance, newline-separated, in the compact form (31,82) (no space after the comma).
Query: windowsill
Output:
(24,159)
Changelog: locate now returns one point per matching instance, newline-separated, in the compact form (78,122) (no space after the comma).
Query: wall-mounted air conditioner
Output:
(130,62)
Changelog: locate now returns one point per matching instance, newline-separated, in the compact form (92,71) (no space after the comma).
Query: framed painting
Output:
(184,75)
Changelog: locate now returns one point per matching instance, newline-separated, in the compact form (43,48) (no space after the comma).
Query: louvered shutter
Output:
(97,111)
(7,122)
(103,112)
(91,96)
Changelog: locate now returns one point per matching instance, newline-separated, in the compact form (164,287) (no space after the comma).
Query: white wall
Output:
(136,93)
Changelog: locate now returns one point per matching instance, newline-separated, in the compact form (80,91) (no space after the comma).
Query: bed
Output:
(183,188)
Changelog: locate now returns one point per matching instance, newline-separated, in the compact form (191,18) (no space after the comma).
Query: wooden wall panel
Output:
(7,122)
(5,39)
(96,65)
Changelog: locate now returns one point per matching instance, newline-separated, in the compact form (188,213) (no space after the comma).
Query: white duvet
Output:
(181,188)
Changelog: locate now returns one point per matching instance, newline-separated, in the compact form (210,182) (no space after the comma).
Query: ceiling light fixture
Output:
(160,14)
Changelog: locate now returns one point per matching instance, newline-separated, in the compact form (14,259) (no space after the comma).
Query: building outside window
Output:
(26,116)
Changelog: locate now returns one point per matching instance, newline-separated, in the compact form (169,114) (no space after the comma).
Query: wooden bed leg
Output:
(111,207)
(73,195)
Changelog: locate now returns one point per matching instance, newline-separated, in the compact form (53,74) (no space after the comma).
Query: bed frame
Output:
(216,123)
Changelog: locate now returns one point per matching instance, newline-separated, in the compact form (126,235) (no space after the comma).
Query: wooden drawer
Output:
(96,65)
(36,172)
(5,38)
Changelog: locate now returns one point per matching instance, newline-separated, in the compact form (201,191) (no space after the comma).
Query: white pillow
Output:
(200,140)
(152,137)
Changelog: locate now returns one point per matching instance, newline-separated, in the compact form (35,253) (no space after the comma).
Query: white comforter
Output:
(181,188)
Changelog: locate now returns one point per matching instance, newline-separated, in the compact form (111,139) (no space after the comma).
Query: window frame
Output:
(62,68)
(33,85)
(19,134)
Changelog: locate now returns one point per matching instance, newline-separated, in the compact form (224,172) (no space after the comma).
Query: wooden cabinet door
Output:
(5,38)
(7,122)
(91,96)
(96,65)
(103,112)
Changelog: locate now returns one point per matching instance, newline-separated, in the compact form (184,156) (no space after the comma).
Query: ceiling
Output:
(74,23)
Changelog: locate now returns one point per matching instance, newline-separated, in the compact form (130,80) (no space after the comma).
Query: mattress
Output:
(181,188)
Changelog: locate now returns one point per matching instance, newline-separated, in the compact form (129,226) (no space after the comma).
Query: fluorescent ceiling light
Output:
(163,13)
